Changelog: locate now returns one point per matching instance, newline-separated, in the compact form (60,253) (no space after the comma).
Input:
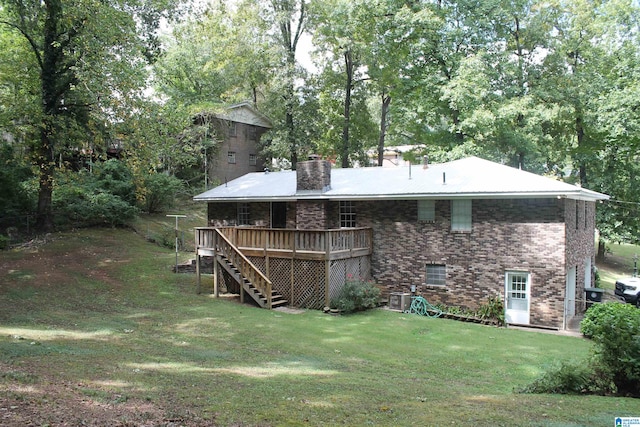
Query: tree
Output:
(89,61)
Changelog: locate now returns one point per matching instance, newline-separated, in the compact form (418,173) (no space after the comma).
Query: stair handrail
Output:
(246,267)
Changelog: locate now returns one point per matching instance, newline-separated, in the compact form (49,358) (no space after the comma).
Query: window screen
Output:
(426,210)
(461,215)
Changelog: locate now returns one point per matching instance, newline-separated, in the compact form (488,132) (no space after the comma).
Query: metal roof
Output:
(471,177)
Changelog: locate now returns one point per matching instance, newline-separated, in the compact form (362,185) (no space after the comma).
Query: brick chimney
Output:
(313,176)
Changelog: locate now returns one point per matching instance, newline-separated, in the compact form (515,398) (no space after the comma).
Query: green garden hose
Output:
(421,306)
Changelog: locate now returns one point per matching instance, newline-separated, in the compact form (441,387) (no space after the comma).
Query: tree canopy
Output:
(548,86)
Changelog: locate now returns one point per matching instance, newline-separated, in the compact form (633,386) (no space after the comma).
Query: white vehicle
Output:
(629,289)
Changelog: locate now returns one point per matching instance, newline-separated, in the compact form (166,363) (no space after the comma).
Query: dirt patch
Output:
(33,394)
(34,399)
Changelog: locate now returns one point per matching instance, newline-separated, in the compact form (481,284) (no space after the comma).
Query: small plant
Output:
(357,295)
(568,378)
(492,310)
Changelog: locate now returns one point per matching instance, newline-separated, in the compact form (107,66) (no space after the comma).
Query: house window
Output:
(577,215)
(251,133)
(461,215)
(347,214)
(426,210)
(243,213)
(233,129)
(231,157)
(585,215)
(253,160)
(436,274)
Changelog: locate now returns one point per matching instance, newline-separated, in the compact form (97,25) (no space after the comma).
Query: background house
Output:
(239,129)
(460,232)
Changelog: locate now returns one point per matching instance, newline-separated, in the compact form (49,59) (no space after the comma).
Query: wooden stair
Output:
(245,285)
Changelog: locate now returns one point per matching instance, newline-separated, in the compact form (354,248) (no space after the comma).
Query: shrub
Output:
(357,295)
(160,191)
(492,310)
(596,315)
(569,378)
(78,201)
(114,177)
(615,329)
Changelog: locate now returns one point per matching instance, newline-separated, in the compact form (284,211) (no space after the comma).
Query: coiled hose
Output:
(421,306)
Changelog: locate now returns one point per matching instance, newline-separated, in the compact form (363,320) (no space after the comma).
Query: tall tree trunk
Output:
(348,62)
(386,101)
(581,141)
(51,87)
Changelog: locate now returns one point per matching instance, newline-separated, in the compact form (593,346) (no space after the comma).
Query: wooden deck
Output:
(307,267)
(293,244)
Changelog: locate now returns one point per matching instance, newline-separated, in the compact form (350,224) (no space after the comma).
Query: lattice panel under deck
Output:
(344,270)
(308,288)
(337,277)
(280,276)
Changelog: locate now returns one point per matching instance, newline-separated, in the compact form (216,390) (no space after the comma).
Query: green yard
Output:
(95,328)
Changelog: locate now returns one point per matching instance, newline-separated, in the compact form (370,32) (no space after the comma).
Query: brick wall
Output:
(507,235)
(519,235)
(312,215)
(580,237)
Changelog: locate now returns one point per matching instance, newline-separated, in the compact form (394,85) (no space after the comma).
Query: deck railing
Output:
(289,243)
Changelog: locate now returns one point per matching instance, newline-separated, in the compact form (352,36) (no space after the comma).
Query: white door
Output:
(570,295)
(517,289)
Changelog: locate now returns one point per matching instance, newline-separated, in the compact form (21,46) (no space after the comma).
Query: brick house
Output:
(460,232)
(239,129)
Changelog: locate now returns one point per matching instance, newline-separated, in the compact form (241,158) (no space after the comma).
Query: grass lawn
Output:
(95,329)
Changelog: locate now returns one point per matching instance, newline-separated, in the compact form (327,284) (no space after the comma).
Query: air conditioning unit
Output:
(399,301)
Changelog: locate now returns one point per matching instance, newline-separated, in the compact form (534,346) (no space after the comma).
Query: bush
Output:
(596,315)
(614,366)
(114,177)
(566,378)
(357,295)
(160,191)
(80,201)
(615,329)
(77,208)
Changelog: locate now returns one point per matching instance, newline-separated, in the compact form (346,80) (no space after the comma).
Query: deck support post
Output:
(216,276)
(199,290)
(327,270)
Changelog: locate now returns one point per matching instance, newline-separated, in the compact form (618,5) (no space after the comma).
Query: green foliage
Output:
(160,191)
(115,178)
(78,207)
(105,198)
(615,329)
(357,295)
(492,309)
(15,198)
(4,242)
(597,315)
(569,378)
(615,364)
